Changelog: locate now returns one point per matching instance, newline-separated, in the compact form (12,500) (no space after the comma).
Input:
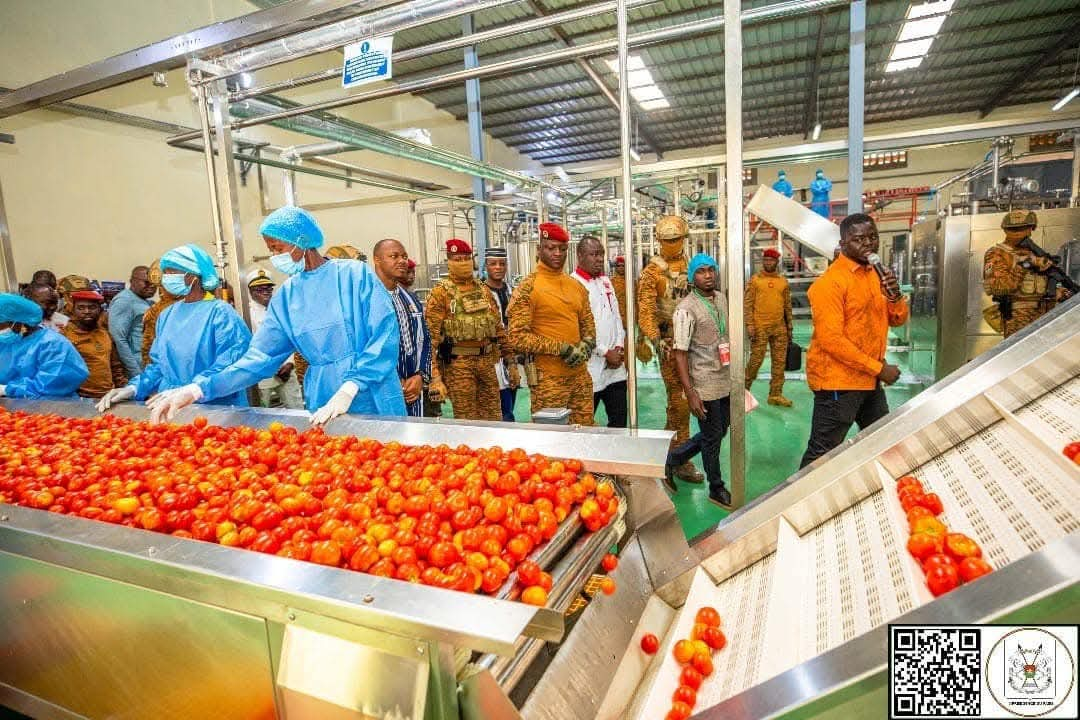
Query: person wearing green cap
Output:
(702,354)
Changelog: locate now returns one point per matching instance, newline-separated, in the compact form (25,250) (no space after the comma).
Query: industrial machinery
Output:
(947,298)
(805,578)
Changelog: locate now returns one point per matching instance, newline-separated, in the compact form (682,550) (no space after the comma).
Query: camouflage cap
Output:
(154,273)
(71,283)
(1015,219)
(343,252)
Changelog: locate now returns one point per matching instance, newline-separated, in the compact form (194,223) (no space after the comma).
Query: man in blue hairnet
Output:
(335,313)
(820,187)
(35,362)
(782,185)
(702,353)
(194,338)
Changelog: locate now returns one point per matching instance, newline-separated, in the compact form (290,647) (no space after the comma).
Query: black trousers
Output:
(711,431)
(614,399)
(835,411)
(507,398)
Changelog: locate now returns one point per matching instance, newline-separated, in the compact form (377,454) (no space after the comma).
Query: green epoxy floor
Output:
(775,437)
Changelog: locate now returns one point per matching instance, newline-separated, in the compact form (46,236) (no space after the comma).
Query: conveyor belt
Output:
(852,573)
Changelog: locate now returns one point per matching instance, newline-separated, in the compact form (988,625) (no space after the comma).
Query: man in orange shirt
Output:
(550,319)
(853,310)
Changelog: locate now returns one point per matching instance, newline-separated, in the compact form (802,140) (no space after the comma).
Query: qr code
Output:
(934,671)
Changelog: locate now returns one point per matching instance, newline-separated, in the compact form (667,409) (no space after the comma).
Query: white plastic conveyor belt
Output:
(853,573)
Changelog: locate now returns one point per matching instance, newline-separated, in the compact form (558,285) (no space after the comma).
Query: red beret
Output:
(554,231)
(412,263)
(771,252)
(619,259)
(457,246)
(87,295)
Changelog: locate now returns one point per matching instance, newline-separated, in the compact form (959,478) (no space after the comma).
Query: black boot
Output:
(668,480)
(720,496)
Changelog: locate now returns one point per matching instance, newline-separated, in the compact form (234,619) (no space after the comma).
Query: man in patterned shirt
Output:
(391,263)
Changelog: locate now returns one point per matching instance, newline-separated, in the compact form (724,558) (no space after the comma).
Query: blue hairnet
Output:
(192,259)
(294,226)
(699,261)
(15,308)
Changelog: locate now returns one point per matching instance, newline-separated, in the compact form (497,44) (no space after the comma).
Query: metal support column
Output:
(735,252)
(211,170)
(230,202)
(627,192)
(7,257)
(856,106)
(476,139)
(290,188)
(719,242)
(1074,197)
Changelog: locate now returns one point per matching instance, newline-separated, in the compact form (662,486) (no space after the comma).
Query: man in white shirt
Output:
(48,300)
(607,365)
(284,383)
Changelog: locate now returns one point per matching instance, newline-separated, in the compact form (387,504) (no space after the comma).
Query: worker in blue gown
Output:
(335,313)
(35,361)
(782,185)
(194,338)
(820,187)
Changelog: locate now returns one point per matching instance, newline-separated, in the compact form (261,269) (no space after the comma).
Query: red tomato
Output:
(528,573)
(973,568)
(941,579)
(326,552)
(910,497)
(932,502)
(678,711)
(534,595)
(683,651)
(938,559)
(922,545)
(691,677)
(685,694)
(607,586)
(708,616)
(610,562)
(929,525)
(702,662)
(1071,450)
(650,643)
(908,481)
(917,512)
(960,546)
(714,638)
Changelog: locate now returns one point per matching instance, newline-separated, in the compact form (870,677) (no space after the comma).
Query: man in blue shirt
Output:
(126,318)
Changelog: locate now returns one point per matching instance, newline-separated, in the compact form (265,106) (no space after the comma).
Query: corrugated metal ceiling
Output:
(556,114)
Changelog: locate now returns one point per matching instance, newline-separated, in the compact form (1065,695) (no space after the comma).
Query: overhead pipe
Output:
(329,37)
(696,28)
(454,43)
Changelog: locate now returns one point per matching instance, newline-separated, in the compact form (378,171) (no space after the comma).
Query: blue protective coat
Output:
(819,196)
(783,187)
(43,365)
(340,317)
(194,340)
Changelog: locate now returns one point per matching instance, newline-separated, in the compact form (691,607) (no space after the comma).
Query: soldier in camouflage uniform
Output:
(662,285)
(618,281)
(468,335)
(551,321)
(768,322)
(1011,276)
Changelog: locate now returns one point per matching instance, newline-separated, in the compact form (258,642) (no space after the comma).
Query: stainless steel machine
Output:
(946,271)
(99,618)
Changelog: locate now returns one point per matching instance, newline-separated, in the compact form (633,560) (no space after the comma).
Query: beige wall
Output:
(92,197)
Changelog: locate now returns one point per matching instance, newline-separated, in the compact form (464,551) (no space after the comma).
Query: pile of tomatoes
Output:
(460,518)
(946,558)
(1072,451)
(694,655)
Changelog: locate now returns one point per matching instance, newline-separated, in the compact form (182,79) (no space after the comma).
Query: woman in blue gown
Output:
(35,362)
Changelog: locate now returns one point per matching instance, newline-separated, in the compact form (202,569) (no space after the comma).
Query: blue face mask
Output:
(9,337)
(174,284)
(284,263)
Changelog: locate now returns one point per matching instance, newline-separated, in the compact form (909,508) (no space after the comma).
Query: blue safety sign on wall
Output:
(367,61)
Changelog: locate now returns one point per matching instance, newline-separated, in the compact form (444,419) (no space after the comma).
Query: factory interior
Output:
(131,127)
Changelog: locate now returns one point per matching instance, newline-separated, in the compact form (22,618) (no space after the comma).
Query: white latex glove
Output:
(337,405)
(3,390)
(116,395)
(165,405)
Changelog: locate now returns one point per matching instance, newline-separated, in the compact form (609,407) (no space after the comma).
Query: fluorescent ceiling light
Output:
(660,104)
(649,92)
(917,34)
(1067,99)
(817,132)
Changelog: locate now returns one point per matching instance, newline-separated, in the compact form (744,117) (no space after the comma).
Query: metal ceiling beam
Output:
(172,53)
(587,68)
(457,108)
(1067,40)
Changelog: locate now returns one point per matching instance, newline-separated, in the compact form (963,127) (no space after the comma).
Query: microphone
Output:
(875,262)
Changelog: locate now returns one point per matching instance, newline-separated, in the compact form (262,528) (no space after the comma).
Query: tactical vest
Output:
(1032,284)
(675,289)
(471,317)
